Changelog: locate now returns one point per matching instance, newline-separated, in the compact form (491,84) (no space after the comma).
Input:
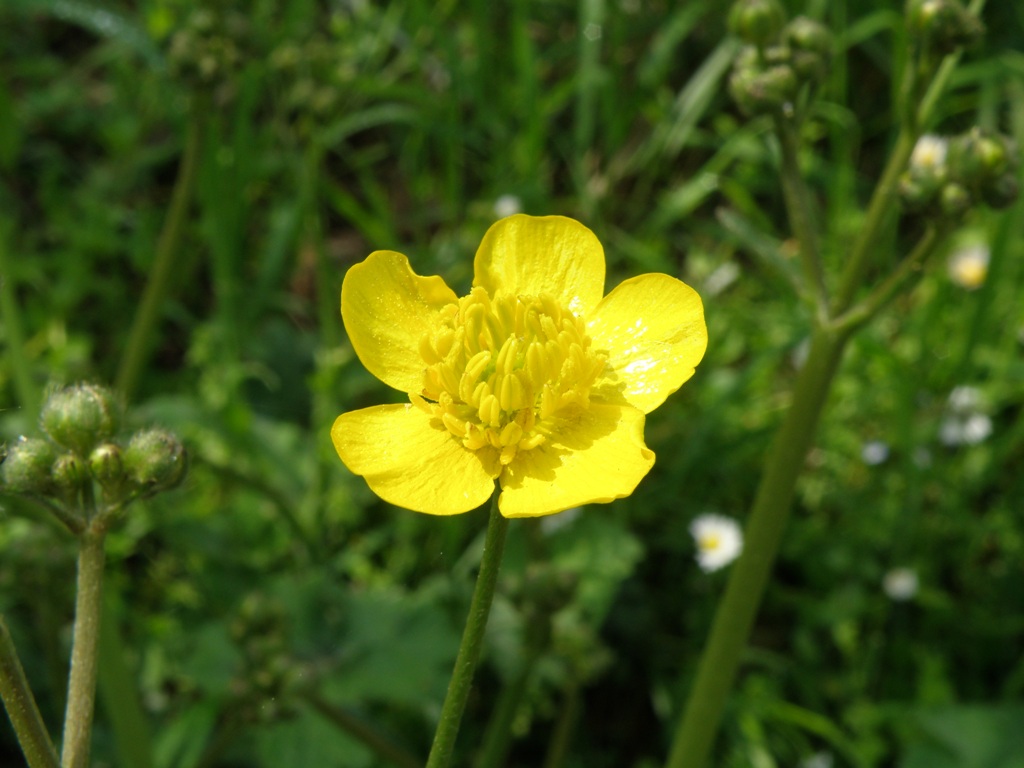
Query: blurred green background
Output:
(309,134)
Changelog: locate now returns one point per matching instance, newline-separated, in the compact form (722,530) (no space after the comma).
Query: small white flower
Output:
(900,584)
(874,452)
(964,399)
(719,541)
(929,152)
(965,422)
(721,278)
(818,760)
(507,205)
(968,266)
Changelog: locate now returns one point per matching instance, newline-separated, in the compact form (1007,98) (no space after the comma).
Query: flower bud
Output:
(79,417)
(155,458)
(986,163)
(757,22)
(760,86)
(811,46)
(27,468)
(1001,192)
(106,466)
(69,475)
(955,200)
(942,26)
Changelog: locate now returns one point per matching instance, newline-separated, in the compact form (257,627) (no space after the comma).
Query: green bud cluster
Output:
(211,44)
(939,27)
(779,59)
(80,451)
(948,177)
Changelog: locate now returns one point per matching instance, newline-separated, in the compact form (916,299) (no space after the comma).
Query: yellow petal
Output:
(547,254)
(411,462)
(594,456)
(652,327)
(387,308)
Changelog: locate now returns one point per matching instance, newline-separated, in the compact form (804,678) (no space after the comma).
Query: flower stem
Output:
(84,644)
(163,268)
(735,614)
(558,747)
(472,640)
(21,706)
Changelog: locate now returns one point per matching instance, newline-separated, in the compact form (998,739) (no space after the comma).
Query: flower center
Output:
(498,369)
(710,542)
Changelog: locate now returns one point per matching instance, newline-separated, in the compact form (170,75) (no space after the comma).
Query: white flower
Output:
(818,760)
(929,152)
(874,452)
(965,423)
(900,584)
(719,541)
(964,399)
(507,205)
(968,266)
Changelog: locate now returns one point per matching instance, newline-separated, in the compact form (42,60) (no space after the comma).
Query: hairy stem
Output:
(84,646)
(472,641)
(21,706)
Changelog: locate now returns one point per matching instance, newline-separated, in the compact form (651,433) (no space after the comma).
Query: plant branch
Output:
(472,640)
(21,706)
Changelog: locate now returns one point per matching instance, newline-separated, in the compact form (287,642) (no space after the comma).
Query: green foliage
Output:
(327,132)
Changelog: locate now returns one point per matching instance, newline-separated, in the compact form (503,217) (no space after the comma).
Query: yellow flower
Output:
(535,379)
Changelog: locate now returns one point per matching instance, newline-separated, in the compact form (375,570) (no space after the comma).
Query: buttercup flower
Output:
(534,379)
(719,541)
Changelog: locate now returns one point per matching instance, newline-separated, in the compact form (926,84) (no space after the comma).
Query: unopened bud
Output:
(955,200)
(757,22)
(155,458)
(1001,192)
(28,466)
(106,466)
(811,45)
(80,416)
(760,86)
(942,26)
(70,474)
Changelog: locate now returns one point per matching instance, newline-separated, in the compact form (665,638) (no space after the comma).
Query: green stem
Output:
(558,747)
(382,744)
(162,270)
(21,706)
(735,614)
(883,293)
(84,644)
(883,202)
(799,207)
(27,392)
(472,641)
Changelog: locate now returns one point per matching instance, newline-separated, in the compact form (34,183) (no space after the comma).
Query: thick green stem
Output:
(164,262)
(382,744)
(735,614)
(21,706)
(799,206)
(472,641)
(84,645)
